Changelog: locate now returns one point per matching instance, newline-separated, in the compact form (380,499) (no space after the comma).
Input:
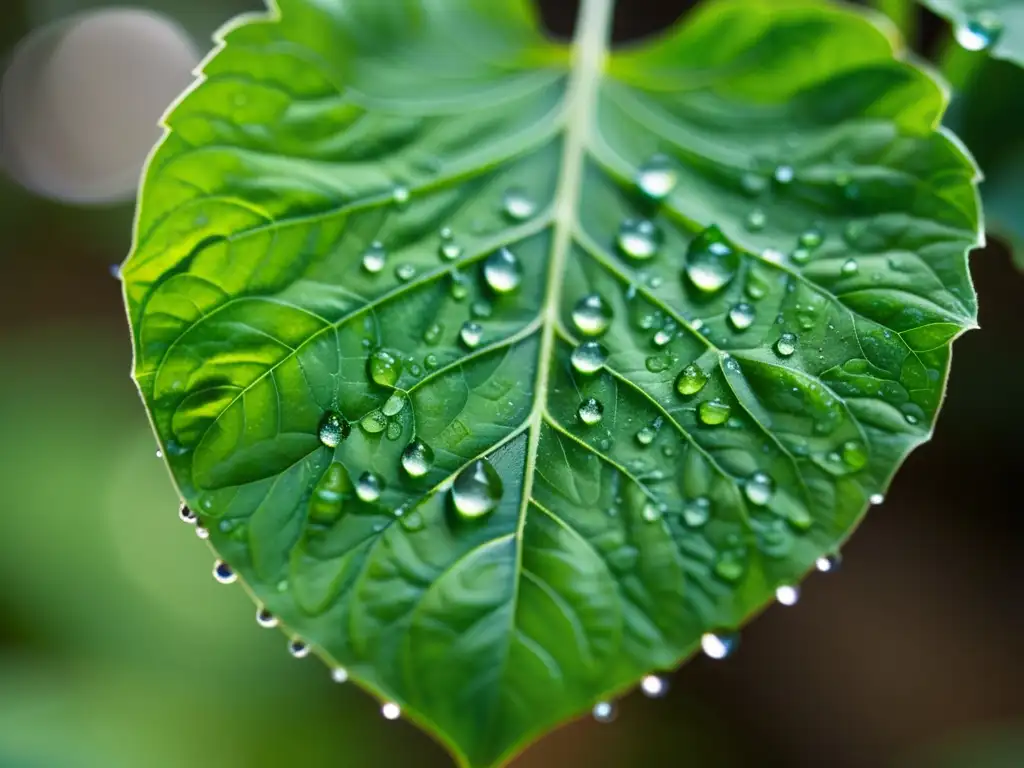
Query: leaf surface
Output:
(502,371)
(996,26)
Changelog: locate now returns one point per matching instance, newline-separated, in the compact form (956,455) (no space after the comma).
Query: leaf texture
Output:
(666,318)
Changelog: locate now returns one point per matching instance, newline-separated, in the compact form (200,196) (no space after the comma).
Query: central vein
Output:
(588,61)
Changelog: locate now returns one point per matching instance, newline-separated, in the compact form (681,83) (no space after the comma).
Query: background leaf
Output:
(761,194)
(996,26)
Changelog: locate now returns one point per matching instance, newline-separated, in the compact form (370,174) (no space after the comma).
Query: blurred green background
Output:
(117,648)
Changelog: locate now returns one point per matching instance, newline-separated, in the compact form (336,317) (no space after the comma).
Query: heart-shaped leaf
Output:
(502,371)
(996,26)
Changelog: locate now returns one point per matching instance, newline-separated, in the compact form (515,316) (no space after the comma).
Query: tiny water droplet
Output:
(654,687)
(787,595)
(855,454)
(711,262)
(400,195)
(753,184)
(786,344)
(405,272)
(517,205)
(590,411)
(477,490)
(431,362)
(811,238)
(592,315)
(876,499)
(758,489)
(638,239)
(432,335)
(756,220)
(784,174)
(719,646)
(773,255)
(449,251)
(413,522)
(339,675)
(714,412)
(417,458)
(471,334)
(657,177)
(657,363)
(298,649)
(691,380)
(369,486)
(384,368)
(697,512)
(202,532)
(391,711)
(742,316)
(186,515)
(115,271)
(481,309)
(604,712)
(651,512)
(850,267)
(502,271)
(374,257)
(828,563)
(979,32)
(266,619)
(333,429)
(588,357)
(222,572)
(646,435)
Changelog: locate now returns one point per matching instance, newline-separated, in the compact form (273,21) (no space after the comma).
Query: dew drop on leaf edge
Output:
(653,686)
(266,619)
(223,573)
(604,712)
(719,645)
(787,595)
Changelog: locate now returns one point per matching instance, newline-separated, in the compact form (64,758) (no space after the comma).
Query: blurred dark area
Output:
(117,648)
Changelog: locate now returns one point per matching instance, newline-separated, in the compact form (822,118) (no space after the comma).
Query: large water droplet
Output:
(417,458)
(369,486)
(604,712)
(591,411)
(333,429)
(719,646)
(711,262)
(654,687)
(477,490)
(589,357)
(471,334)
(384,368)
(979,32)
(691,380)
(786,344)
(714,412)
(742,316)
(592,315)
(223,573)
(638,239)
(374,257)
(787,595)
(373,423)
(517,204)
(758,489)
(657,177)
(502,271)
(394,404)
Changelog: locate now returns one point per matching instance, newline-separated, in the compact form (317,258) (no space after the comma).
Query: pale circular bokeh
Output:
(81,100)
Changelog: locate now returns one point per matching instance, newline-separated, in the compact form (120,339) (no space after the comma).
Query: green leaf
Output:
(500,486)
(996,26)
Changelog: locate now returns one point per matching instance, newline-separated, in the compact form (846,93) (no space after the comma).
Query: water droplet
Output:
(333,429)
(266,619)
(758,489)
(502,271)
(753,184)
(854,454)
(339,675)
(374,257)
(786,344)
(756,220)
(471,334)
(742,316)
(417,458)
(413,522)
(979,32)
(638,239)
(654,687)
(298,649)
(787,595)
(391,711)
(604,712)
(384,368)
(812,238)
(714,412)
(400,195)
(697,512)
(657,363)
(876,499)
(459,289)
(432,335)
(187,515)
(394,404)
(730,566)
(449,251)
(691,380)
(202,532)
(651,512)
(327,499)
(784,174)
(369,486)
(517,205)
(800,255)
(663,336)
(773,255)
(657,177)
(591,411)
(850,267)
(828,563)
(592,315)
(373,423)
(646,435)
(405,272)
(589,357)
(719,646)
(222,572)
(477,490)
(711,262)
(431,362)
